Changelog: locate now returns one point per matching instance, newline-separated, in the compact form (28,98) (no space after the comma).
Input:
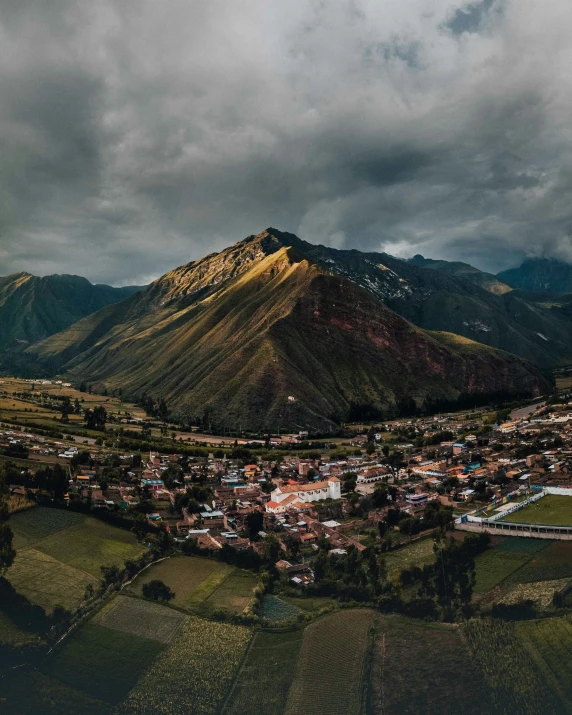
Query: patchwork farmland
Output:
(60,554)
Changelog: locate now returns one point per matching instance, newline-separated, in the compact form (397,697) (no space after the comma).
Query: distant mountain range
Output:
(277,332)
(32,308)
(540,275)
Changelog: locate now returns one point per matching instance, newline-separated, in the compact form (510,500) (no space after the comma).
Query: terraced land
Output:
(551,509)
(60,553)
(505,558)
(266,676)
(417,667)
(330,675)
(201,585)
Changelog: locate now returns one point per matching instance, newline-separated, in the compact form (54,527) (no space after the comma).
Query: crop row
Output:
(193,674)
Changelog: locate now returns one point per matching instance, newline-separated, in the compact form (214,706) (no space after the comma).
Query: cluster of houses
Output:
(302,499)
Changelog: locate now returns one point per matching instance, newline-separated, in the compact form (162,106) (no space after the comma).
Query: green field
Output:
(48,582)
(29,692)
(504,559)
(277,609)
(423,668)
(140,618)
(234,593)
(91,544)
(33,525)
(103,662)
(266,676)
(194,673)
(549,643)
(311,605)
(553,562)
(418,553)
(517,676)
(13,636)
(551,509)
(330,675)
(200,584)
(60,553)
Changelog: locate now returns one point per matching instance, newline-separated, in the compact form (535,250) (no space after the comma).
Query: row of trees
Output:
(444,588)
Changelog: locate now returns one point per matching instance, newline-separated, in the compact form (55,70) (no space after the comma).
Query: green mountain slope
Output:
(540,275)
(32,308)
(261,336)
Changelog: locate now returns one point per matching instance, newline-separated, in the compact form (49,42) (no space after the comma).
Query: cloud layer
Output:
(136,135)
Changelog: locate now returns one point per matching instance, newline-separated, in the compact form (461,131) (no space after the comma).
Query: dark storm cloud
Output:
(136,135)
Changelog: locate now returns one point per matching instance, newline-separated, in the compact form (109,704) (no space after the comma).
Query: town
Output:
(343,492)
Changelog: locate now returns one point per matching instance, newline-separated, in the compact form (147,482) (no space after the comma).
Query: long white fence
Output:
(492,525)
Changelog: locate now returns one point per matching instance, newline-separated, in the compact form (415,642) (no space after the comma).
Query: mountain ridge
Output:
(33,307)
(264,335)
(540,275)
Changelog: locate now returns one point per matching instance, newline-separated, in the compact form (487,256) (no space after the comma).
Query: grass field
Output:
(201,585)
(422,668)
(12,635)
(91,544)
(234,593)
(29,692)
(195,672)
(59,553)
(551,509)
(418,553)
(310,605)
(266,676)
(553,562)
(504,559)
(330,675)
(515,674)
(141,618)
(103,662)
(183,574)
(48,582)
(33,525)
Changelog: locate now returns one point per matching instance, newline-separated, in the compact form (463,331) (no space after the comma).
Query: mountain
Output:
(437,300)
(540,275)
(32,308)
(264,335)
(463,270)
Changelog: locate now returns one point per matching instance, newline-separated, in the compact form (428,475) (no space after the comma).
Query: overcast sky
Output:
(136,135)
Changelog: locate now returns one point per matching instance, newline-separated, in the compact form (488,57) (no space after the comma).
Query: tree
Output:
(157,591)
(254,522)
(95,419)
(66,409)
(7,551)
(272,548)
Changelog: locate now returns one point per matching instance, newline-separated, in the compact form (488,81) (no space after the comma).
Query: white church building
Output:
(295,495)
